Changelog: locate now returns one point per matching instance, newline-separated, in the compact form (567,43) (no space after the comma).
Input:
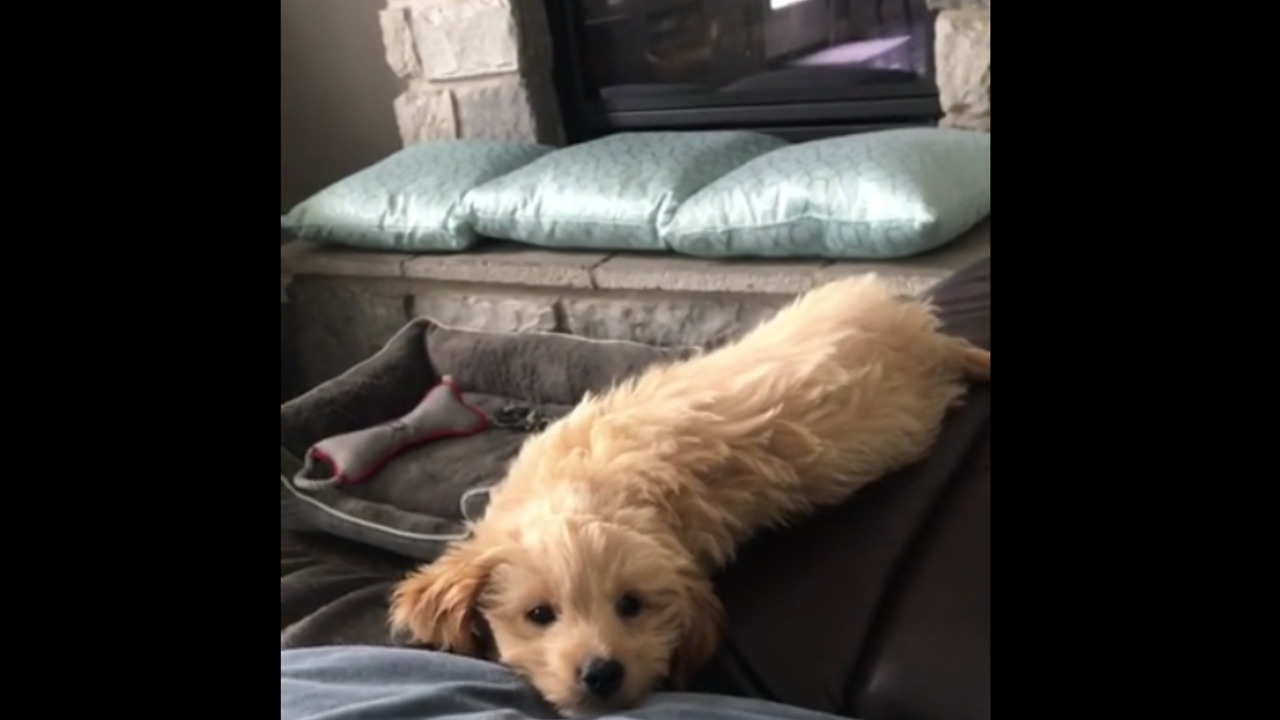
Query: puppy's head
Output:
(594,615)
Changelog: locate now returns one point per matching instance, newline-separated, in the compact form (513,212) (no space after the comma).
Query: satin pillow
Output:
(614,193)
(871,196)
(410,201)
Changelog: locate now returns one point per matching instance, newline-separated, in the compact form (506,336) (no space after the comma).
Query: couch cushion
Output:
(931,655)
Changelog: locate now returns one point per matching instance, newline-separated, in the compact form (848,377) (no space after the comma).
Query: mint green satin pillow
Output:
(877,195)
(613,193)
(410,201)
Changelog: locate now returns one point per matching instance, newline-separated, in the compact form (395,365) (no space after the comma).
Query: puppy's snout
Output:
(602,677)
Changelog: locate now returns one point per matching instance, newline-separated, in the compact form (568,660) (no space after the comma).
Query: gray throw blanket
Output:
(357,683)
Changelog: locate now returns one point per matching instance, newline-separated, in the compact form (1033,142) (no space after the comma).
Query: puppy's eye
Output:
(541,615)
(629,606)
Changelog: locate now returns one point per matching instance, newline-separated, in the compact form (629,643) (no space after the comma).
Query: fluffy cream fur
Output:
(600,542)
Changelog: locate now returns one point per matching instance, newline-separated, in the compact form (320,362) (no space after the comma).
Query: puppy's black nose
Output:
(602,678)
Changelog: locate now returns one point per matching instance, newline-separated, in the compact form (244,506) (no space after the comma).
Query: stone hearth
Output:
(340,306)
(481,68)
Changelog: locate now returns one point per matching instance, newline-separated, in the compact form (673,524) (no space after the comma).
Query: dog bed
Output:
(853,583)
(418,500)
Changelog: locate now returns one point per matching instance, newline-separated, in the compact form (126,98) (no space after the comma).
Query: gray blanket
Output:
(356,683)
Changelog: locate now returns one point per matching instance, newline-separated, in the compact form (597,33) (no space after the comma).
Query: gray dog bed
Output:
(418,500)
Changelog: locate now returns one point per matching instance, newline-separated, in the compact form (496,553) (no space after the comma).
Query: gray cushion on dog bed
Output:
(414,505)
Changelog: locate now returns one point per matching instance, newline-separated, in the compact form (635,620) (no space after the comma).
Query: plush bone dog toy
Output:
(355,456)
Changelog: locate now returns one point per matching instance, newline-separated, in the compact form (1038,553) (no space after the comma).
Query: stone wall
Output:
(962,53)
(474,69)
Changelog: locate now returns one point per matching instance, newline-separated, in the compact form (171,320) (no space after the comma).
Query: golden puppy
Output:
(590,570)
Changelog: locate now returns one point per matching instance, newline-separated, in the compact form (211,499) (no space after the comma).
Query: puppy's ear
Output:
(436,604)
(705,626)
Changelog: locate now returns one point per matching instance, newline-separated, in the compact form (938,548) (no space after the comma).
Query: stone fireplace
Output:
(483,68)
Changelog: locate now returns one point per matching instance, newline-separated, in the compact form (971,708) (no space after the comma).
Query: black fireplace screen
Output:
(674,57)
(735,45)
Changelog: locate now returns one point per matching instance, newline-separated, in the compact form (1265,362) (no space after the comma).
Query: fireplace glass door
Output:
(669,53)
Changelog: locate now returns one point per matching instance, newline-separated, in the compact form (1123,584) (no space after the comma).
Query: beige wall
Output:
(336,94)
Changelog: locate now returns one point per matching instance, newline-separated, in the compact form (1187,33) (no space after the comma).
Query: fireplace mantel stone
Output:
(342,305)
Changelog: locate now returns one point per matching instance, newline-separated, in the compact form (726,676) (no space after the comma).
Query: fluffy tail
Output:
(974,361)
(863,301)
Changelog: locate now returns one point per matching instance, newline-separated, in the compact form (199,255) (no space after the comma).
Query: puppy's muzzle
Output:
(602,678)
